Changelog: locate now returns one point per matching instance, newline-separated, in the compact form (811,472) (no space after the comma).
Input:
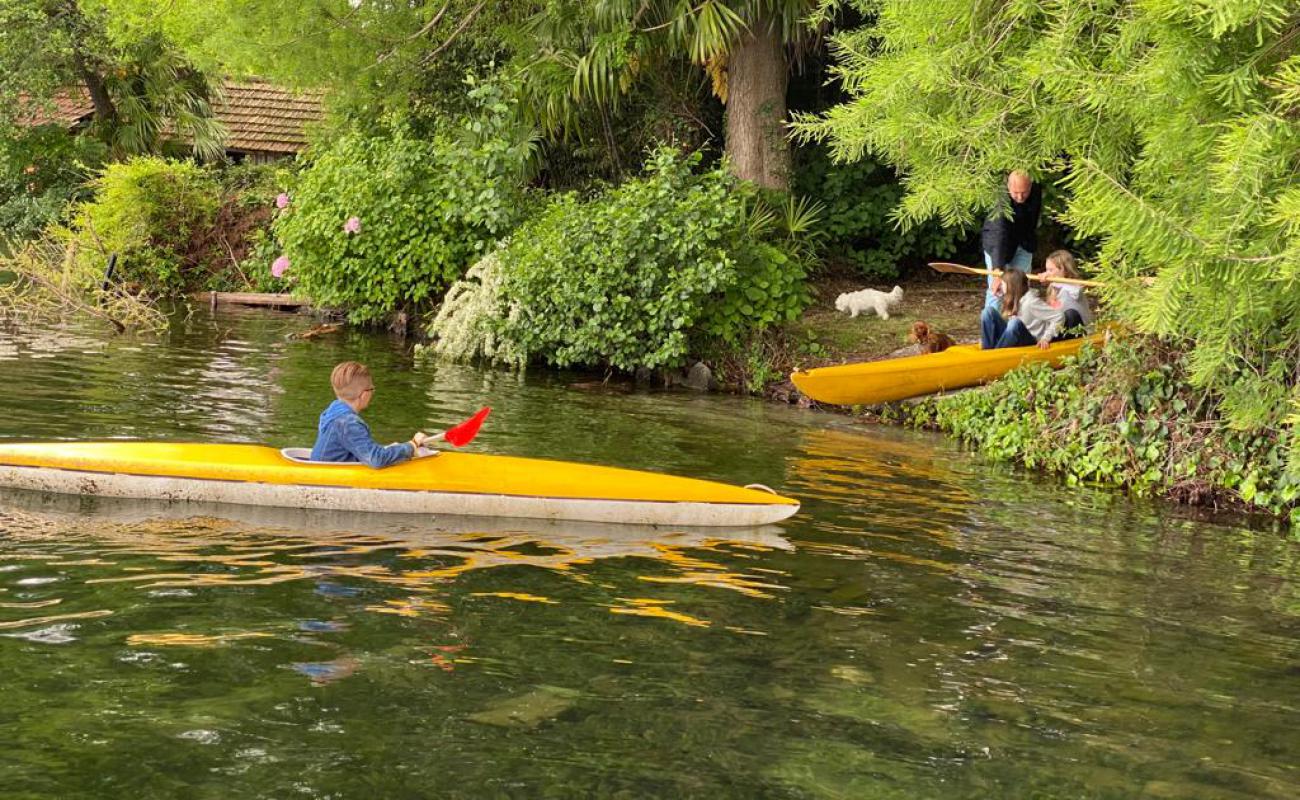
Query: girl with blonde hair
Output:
(1064,296)
(1025,319)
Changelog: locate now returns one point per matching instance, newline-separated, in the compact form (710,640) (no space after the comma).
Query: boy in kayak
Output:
(343,436)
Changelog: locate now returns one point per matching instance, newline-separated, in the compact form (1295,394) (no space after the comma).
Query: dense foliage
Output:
(41,170)
(1174,123)
(148,211)
(637,276)
(1123,416)
(574,55)
(175,226)
(469,323)
(424,208)
(377,58)
(859,201)
(146,95)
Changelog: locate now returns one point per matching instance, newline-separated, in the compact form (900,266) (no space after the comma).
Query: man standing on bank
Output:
(1009,241)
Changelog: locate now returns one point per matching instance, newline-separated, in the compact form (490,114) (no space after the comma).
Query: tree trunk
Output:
(105,111)
(757,76)
(77,27)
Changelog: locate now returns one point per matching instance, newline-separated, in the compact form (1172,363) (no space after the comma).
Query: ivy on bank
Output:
(1126,416)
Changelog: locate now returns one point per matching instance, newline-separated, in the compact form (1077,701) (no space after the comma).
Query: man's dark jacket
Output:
(1002,235)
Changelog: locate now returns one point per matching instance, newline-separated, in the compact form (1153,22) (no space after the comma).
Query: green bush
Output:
(1127,416)
(638,276)
(42,170)
(427,209)
(860,200)
(155,214)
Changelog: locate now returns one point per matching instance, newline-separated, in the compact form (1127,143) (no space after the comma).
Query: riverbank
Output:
(823,336)
(1126,417)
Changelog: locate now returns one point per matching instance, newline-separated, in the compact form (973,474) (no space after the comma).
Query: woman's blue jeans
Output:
(995,331)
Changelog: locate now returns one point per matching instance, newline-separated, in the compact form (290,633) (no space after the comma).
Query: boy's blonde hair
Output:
(1064,260)
(350,379)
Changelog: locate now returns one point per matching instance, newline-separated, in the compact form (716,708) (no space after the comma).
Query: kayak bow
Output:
(451,483)
(959,366)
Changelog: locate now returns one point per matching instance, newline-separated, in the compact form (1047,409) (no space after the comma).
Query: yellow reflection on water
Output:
(190,639)
(527,598)
(177,552)
(888,492)
(53,601)
(648,607)
(34,621)
(859,467)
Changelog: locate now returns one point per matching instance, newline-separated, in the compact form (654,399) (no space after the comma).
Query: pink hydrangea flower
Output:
(279,266)
(353,225)
(282,200)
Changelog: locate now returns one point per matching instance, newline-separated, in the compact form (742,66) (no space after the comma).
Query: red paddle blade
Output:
(465,432)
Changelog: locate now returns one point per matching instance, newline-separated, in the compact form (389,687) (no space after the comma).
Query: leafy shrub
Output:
(860,200)
(149,211)
(426,209)
(638,275)
(1128,416)
(41,171)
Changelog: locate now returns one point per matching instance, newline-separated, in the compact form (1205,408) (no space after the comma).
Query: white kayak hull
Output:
(394,501)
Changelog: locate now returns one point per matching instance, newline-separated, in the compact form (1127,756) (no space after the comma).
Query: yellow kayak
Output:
(963,365)
(449,483)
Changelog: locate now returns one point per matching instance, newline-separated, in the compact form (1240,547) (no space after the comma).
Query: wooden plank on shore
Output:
(251,299)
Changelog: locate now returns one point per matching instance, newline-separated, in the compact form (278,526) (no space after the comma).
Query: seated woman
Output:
(1026,319)
(1062,296)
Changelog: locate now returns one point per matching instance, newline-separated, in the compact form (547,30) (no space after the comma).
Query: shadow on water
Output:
(928,626)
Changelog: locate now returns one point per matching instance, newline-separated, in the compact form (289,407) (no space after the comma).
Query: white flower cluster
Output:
(467,326)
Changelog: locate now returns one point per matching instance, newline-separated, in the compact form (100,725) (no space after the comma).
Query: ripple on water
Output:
(53,634)
(201,736)
(38,580)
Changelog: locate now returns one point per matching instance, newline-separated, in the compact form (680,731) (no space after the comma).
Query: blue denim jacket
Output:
(344,436)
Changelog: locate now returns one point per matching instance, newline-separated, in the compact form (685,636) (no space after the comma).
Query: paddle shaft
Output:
(943,266)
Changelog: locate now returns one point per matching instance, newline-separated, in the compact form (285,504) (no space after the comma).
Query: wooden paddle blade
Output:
(465,432)
(960,269)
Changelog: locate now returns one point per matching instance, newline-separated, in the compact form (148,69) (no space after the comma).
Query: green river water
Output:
(929,625)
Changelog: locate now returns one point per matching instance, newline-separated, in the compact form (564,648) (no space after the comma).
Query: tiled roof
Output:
(259,117)
(65,108)
(264,118)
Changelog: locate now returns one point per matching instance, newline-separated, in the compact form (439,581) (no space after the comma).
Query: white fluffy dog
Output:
(857,302)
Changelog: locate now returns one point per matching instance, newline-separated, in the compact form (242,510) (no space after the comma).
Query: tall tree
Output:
(1172,125)
(374,57)
(141,89)
(580,51)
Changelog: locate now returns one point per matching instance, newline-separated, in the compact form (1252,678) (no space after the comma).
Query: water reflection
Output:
(199,546)
(928,626)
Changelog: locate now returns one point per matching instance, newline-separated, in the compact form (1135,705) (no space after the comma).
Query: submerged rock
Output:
(528,710)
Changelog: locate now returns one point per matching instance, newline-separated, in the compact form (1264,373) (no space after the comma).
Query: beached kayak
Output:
(899,378)
(466,484)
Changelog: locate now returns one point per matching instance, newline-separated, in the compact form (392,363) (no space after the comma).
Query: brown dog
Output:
(930,341)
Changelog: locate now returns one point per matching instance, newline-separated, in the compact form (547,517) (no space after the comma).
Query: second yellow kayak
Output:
(964,365)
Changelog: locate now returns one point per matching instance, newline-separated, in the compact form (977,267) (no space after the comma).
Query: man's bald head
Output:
(1019,185)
